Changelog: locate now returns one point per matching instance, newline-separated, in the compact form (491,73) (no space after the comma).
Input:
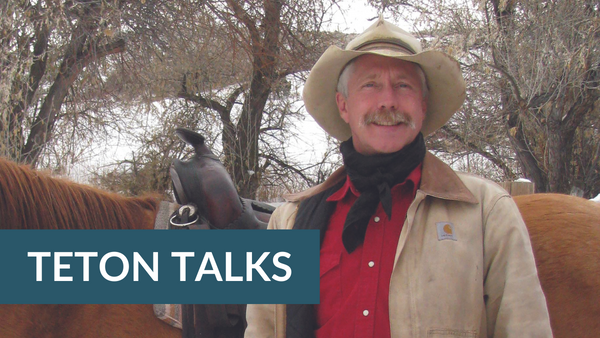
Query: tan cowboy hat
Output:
(444,78)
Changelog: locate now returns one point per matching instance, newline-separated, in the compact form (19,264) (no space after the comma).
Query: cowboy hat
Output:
(445,83)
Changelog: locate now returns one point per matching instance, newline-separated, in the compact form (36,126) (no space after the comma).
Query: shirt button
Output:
(376,219)
(366,313)
(371,264)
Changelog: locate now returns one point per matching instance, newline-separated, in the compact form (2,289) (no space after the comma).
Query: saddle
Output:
(203,183)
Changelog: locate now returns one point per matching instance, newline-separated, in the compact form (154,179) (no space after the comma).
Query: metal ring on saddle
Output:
(191,212)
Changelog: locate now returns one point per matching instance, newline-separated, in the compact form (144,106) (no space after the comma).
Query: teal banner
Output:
(159,267)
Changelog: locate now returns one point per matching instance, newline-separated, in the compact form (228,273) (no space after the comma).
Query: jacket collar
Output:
(437,180)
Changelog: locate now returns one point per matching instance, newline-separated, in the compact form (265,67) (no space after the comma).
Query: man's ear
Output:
(340,100)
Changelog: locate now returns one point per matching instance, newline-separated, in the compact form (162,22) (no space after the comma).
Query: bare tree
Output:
(75,73)
(273,40)
(146,169)
(234,69)
(45,46)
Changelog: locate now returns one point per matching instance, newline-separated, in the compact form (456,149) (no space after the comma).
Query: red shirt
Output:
(355,287)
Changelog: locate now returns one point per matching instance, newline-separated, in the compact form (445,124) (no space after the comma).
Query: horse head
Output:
(204,181)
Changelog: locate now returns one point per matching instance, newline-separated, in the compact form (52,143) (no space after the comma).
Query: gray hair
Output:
(342,85)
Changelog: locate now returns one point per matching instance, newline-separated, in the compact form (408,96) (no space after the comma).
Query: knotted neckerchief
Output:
(374,176)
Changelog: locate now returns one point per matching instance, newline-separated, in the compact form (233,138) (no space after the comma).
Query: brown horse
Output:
(564,230)
(565,235)
(32,200)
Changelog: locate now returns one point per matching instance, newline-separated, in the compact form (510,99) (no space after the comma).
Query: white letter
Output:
(38,263)
(86,263)
(182,256)
(58,267)
(286,268)
(103,266)
(215,271)
(256,266)
(137,260)
(228,276)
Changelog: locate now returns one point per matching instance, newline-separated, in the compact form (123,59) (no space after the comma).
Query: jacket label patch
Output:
(445,230)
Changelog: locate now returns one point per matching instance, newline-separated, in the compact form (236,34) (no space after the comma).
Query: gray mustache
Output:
(387,116)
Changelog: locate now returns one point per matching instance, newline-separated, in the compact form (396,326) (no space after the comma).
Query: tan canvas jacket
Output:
(482,284)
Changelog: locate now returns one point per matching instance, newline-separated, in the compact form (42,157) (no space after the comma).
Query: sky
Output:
(354,17)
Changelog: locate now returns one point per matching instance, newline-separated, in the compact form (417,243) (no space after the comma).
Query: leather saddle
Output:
(204,182)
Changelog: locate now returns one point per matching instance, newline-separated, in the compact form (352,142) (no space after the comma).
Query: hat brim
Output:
(444,79)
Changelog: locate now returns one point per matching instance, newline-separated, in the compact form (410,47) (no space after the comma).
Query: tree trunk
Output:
(79,54)
(244,157)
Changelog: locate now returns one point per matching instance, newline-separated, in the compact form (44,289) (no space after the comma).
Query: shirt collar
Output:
(414,177)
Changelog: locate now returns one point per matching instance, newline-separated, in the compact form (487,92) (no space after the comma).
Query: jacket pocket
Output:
(450,333)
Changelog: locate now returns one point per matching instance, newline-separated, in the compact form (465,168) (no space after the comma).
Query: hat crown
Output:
(383,31)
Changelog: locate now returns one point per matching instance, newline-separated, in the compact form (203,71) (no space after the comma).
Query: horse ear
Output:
(190,137)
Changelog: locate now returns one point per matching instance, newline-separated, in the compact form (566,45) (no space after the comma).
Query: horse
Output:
(34,200)
(565,236)
(564,231)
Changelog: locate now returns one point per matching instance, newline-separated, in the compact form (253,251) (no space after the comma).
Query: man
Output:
(409,248)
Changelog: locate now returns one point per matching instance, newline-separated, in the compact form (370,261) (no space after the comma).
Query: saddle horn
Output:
(194,139)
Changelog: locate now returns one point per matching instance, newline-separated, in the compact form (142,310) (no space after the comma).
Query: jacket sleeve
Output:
(261,321)
(268,320)
(515,303)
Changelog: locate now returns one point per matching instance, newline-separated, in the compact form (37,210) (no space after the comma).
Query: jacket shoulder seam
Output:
(493,204)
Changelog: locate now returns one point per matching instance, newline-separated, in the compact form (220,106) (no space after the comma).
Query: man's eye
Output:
(369,85)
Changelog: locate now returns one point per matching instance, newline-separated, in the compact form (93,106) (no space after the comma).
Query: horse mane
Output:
(34,200)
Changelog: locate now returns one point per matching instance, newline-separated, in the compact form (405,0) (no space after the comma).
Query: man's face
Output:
(385,107)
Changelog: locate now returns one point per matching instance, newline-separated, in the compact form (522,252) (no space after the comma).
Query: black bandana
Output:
(374,176)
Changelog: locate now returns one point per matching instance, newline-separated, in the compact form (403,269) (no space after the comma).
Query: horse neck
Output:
(34,200)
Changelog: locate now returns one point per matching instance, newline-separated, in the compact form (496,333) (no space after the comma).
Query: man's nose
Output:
(388,97)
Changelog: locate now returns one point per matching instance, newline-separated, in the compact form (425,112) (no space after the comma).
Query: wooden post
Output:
(518,188)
